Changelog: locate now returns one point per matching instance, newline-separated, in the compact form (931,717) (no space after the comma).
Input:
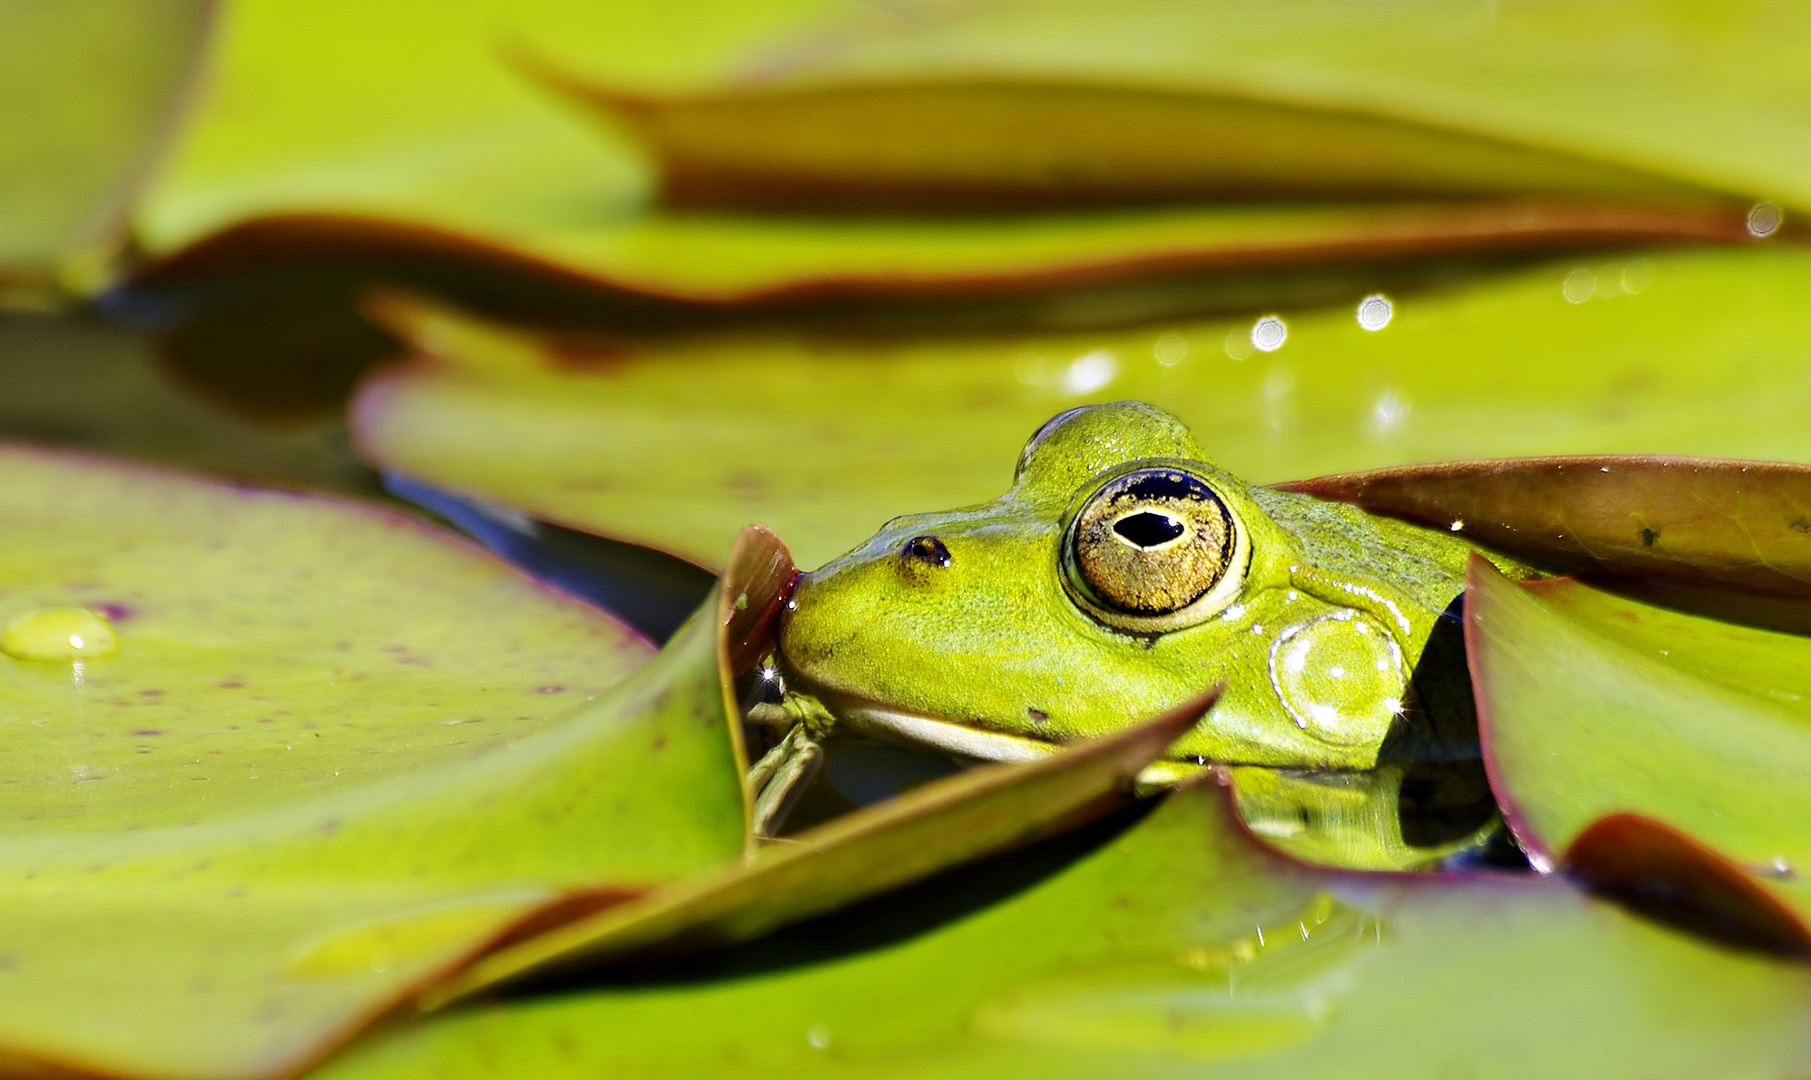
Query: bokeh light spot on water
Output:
(1090,372)
(1636,275)
(1269,333)
(1170,349)
(1763,219)
(1578,286)
(1390,410)
(1238,343)
(1374,312)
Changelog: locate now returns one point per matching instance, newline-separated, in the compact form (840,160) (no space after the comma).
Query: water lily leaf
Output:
(1160,98)
(1728,524)
(90,86)
(676,445)
(866,853)
(1592,705)
(992,141)
(276,761)
(421,121)
(756,585)
(1596,704)
(1178,945)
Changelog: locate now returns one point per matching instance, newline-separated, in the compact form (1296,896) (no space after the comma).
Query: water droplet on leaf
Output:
(59,633)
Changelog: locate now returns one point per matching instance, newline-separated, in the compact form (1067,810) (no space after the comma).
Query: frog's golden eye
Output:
(1155,549)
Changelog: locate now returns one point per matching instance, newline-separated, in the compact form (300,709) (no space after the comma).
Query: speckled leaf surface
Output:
(334,754)
(677,445)
(1715,524)
(1302,95)
(1592,705)
(91,88)
(1180,947)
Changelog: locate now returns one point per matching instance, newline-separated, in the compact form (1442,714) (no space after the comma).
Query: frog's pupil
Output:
(1148,529)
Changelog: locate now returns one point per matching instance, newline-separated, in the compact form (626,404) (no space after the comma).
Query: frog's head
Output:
(1121,574)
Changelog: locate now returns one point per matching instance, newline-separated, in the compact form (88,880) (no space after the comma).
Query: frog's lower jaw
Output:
(893,724)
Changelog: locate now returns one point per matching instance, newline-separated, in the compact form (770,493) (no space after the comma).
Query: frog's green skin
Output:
(992,656)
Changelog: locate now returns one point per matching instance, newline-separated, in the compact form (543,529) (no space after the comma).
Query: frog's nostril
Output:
(926,549)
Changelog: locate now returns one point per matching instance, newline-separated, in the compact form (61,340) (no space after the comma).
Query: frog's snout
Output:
(927,551)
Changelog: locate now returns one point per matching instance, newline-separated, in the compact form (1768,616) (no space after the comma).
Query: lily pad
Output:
(824,438)
(1178,946)
(994,140)
(91,88)
(864,854)
(1709,523)
(326,755)
(422,119)
(1592,706)
(1156,98)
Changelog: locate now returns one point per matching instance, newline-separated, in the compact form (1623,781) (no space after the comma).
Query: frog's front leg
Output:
(781,776)
(783,773)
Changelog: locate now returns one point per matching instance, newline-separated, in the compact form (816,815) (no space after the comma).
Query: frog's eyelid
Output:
(1042,433)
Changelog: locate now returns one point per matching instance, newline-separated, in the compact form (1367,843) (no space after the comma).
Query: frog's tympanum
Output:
(1122,574)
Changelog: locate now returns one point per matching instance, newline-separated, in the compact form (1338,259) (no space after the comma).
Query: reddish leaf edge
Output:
(1655,870)
(1415,231)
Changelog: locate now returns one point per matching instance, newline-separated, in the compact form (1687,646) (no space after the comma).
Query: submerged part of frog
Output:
(1123,573)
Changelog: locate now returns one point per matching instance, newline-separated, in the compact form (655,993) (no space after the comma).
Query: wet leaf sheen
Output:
(332,754)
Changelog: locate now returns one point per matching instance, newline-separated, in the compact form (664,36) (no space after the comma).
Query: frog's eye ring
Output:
(1154,549)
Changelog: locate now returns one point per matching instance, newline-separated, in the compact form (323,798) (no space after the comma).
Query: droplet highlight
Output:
(1170,349)
(1374,312)
(1763,219)
(60,633)
(1578,286)
(1269,333)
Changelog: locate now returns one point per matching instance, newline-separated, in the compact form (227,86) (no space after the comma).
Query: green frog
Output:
(1123,573)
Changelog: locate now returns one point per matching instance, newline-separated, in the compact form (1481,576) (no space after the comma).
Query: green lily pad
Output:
(1595,704)
(1180,947)
(1592,706)
(1694,522)
(1159,98)
(824,438)
(277,761)
(421,118)
(864,854)
(1005,140)
(90,86)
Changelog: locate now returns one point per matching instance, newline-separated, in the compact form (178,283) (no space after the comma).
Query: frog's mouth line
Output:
(894,724)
